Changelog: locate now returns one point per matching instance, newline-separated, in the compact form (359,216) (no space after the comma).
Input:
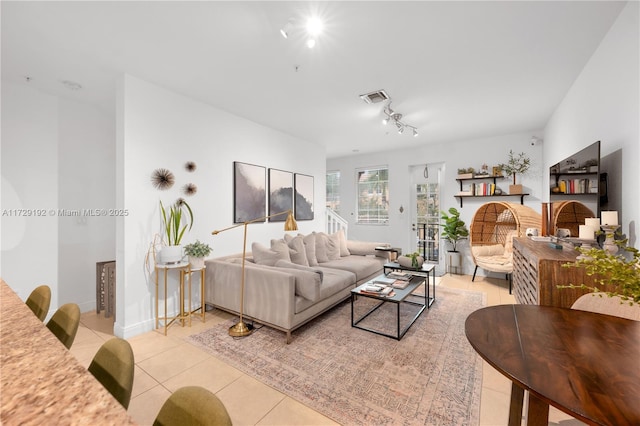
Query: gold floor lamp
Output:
(241,329)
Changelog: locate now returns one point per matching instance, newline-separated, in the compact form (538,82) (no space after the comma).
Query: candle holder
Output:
(609,244)
(585,244)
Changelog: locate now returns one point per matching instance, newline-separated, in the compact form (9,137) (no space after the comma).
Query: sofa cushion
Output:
(269,256)
(321,248)
(361,266)
(364,247)
(335,280)
(309,247)
(291,265)
(331,244)
(297,250)
(308,281)
(342,239)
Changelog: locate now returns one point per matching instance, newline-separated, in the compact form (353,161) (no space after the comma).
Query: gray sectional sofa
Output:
(294,280)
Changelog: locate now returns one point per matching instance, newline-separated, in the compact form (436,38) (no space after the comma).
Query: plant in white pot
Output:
(453,230)
(517,164)
(197,252)
(176,220)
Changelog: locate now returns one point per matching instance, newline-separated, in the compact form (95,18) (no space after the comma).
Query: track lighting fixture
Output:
(287,28)
(313,28)
(391,116)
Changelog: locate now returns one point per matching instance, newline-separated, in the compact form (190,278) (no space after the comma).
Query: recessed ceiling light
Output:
(71,85)
(314,26)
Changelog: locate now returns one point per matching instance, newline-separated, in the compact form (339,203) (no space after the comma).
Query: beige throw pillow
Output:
(321,248)
(344,250)
(297,250)
(269,256)
(310,248)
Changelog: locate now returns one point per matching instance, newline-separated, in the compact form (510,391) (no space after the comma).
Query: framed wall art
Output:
(303,201)
(280,193)
(249,192)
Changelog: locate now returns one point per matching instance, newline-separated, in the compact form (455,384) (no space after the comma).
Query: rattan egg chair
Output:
(492,230)
(569,215)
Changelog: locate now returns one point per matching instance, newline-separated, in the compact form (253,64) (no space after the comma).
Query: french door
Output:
(425,211)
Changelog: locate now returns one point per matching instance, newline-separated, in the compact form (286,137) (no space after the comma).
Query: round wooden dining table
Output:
(583,363)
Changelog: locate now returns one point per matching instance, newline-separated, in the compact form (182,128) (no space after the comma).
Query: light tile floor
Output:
(166,363)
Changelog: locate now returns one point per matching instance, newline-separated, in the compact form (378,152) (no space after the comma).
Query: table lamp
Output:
(241,329)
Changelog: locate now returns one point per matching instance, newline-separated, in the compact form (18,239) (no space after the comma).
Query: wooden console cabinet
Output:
(538,270)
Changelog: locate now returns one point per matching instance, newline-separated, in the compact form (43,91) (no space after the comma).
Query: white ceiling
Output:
(456,70)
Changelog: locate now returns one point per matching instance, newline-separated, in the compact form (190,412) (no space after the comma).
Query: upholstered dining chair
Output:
(193,405)
(39,301)
(113,366)
(603,304)
(64,323)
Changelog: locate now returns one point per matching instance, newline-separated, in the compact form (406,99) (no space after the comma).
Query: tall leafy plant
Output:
(453,228)
(176,220)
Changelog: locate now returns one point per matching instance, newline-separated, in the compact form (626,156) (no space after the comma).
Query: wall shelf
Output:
(481,178)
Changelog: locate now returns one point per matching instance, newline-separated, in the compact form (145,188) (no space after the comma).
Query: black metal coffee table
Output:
(424,271)
(399,297)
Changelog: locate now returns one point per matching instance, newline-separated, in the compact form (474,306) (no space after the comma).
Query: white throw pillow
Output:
(269,256)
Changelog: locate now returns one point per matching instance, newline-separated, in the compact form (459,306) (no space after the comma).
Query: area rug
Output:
(430,377)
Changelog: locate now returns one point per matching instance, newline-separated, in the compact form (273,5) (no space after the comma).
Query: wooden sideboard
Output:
(538,270)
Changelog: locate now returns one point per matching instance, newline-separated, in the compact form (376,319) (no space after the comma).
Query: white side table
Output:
(183,269)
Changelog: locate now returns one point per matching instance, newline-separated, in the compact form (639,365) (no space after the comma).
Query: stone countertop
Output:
(41,382)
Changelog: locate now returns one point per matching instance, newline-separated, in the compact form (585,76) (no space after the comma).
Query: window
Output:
(373,195)
(333,191)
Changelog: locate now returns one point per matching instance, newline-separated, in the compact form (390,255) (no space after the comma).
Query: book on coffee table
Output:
(401,284)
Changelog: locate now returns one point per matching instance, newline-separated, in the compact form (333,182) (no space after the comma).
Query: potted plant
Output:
(516,164)
(466,173)
(453,230)
(197,252)
(176,220)
(411,260)
(622,271)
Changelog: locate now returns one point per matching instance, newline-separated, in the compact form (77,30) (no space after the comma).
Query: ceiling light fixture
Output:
(313,27)
(391,116)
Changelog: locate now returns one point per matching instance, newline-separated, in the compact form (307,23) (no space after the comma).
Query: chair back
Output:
(64,323)
(113,366)
(39,301)
(601,303)
(193,405)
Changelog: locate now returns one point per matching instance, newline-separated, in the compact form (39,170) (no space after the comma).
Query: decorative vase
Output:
(171,254)
(196,262)
(407,262)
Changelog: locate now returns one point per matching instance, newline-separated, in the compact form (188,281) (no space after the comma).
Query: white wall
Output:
(603,105)
(464,154)
(29,185)
(86,153)
(158,128)
(57,155)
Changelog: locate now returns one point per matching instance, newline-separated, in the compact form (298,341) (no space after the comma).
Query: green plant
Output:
(197,249)
(414,259)
(623,272)
(516,164)
(453,229)
(173,222)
